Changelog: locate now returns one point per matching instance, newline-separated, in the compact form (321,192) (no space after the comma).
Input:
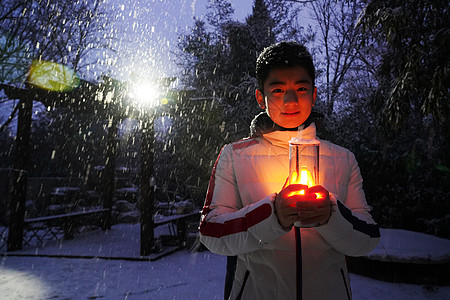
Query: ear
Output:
(260,99)
(314,96)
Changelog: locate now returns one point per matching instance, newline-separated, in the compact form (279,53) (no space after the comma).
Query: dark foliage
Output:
(405,155)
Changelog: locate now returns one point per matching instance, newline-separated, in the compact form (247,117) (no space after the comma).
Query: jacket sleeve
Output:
(229,228)
(351,229)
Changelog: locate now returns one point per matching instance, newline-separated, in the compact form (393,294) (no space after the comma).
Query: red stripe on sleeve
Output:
(236,225)
(212,184)
(244,144)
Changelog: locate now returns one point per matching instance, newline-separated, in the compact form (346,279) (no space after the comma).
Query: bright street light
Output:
(145,94)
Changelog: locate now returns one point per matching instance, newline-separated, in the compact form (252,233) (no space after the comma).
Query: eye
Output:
(302,89)
(276,91)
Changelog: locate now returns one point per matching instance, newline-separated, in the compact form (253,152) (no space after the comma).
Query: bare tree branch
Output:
(11,116)
(341,45)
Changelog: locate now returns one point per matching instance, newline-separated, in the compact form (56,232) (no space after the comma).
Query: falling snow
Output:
(133,42)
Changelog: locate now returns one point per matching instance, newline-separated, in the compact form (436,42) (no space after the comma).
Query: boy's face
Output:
(288,96)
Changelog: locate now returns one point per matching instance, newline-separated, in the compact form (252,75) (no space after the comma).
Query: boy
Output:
(244,216)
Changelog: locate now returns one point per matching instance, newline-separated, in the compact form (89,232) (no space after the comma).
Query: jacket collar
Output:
(282,138)
(262,125)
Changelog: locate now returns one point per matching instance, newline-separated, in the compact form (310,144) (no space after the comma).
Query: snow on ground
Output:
(181,275)
(178,276)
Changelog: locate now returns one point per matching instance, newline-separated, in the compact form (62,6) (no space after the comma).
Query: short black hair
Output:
(282,55)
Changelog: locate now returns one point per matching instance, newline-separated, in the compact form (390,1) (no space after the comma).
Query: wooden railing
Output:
(50,226)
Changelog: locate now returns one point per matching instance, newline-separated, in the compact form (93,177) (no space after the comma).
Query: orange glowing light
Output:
(301,192)
(305,179)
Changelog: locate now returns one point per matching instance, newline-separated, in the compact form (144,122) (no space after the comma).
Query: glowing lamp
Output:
(146,94)
(304,165)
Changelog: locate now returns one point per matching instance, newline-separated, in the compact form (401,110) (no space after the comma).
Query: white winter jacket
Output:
(238,219)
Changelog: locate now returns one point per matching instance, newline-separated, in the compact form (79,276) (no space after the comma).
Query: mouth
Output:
(291,114)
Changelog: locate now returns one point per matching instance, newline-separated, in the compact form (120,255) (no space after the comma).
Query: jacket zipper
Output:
(247,273)
(298,244)
(345,284)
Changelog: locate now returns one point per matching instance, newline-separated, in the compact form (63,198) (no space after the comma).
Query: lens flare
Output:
(52,76)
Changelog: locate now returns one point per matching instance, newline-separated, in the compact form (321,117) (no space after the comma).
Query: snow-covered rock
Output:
(398,245)
(130,217)
(125,206)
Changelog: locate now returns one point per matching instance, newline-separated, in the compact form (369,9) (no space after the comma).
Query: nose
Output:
(290,98)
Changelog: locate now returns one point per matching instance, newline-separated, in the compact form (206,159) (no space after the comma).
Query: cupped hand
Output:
(285,204)
(315,206)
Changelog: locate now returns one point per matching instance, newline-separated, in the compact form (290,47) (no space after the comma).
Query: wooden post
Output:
(109,173)
(19,190)
(147,188)
(111,89)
